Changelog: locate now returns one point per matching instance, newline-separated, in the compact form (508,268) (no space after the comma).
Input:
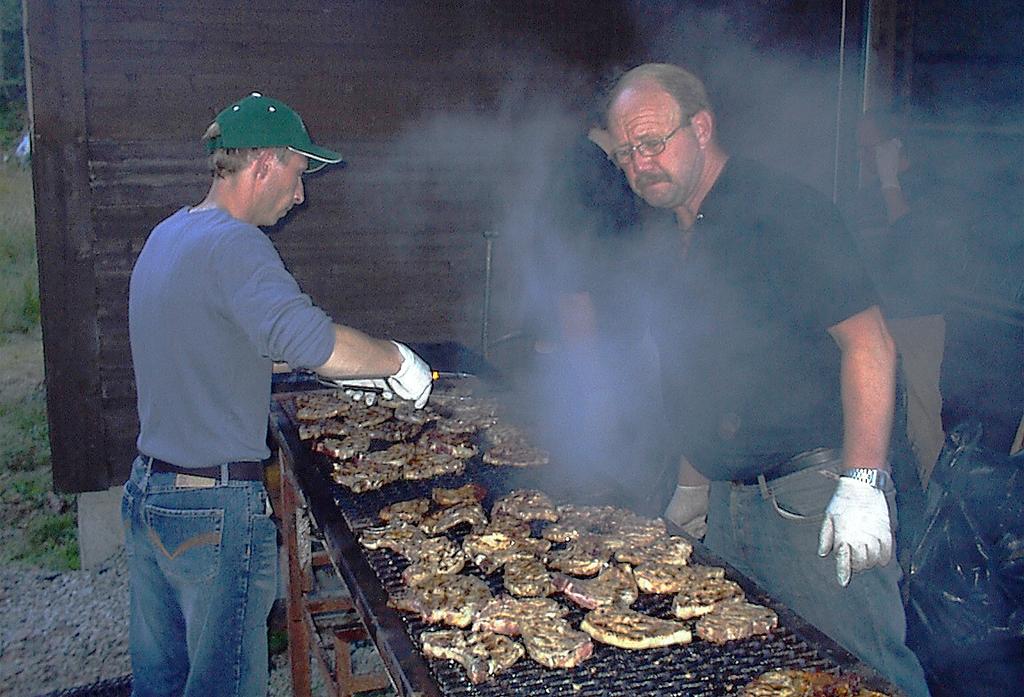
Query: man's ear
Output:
(703,124)
(262,164)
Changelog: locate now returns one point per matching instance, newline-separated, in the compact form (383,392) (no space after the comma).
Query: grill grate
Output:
(698,669)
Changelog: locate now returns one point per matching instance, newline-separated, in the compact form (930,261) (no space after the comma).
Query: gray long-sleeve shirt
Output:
(210,307)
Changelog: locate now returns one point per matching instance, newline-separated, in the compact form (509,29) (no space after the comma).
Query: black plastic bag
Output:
(965,589)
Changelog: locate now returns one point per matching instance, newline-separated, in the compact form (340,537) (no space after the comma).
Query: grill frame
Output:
(679,670)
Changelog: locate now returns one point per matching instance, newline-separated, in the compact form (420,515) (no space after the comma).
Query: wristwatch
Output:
(876,478)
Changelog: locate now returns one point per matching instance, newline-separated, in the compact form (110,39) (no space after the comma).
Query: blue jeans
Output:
(770,534)
(203,567)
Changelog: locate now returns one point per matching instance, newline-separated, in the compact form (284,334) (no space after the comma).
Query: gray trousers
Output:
(769,532)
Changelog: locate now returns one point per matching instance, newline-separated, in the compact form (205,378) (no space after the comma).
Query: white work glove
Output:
(413,380)
(366,390)
(887,163)
(689,509)
(857,528)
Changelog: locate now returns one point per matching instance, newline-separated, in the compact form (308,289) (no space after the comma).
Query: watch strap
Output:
(879,479)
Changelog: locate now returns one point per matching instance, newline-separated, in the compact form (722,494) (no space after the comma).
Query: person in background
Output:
(592,342)
(210,308)
(777,369)
(906,237)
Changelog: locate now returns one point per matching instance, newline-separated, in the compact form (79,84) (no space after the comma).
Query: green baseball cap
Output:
(256,121)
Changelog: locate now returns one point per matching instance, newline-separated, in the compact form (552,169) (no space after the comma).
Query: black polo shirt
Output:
(750,373)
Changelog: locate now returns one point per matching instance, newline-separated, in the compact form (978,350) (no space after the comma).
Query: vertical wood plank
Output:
(64,240)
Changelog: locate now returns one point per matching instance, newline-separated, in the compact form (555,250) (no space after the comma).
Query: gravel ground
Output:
(64,630)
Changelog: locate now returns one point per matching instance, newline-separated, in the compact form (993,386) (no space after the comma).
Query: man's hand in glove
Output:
(413,380)
(857,528)
(688,509)
(366,390)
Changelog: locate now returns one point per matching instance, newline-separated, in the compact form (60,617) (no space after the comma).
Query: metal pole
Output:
(489,237)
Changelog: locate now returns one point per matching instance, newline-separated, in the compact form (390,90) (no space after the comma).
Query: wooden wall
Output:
(393,244)
(436,105)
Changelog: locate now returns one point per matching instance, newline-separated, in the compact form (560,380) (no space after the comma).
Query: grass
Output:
(24,435)
(19,278)
(37,527)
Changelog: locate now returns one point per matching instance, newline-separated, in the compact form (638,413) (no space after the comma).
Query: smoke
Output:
(495,166)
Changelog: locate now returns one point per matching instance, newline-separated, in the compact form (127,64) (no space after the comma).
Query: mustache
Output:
(645,180)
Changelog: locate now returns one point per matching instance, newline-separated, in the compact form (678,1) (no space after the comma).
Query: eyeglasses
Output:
(649,147)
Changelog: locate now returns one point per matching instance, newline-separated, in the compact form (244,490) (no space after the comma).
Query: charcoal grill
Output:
(698,669)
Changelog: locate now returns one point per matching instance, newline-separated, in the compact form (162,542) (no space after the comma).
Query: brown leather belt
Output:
(248,471)
(800,461)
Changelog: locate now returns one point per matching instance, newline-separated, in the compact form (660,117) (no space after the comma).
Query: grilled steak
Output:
(584,557)
(664,550)
(424,464)
(411,511)
(447,518)
(654,577)
(434,556)
(526,504)
(628,629)
(526,577)
(701,597)
(362,475)
(469,493)
(405,411)
(555,644)
(516,456)
(482,654)
(736,619)
(344,448)
(398,536)
(449,599)
(613,586)
(393,431)
(454,444)
(490,549)
(507,615)
(806,683)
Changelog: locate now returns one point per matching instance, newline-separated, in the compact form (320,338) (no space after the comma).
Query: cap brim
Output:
(318,157)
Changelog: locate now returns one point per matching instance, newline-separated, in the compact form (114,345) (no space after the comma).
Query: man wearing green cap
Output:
(211,307)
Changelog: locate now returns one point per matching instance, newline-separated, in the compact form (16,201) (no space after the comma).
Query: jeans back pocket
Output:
(186,542)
